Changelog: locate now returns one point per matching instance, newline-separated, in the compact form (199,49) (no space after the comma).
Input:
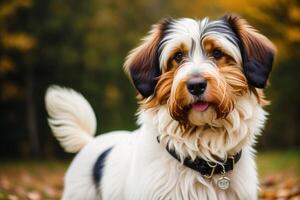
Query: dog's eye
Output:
(178,57)
(217,54)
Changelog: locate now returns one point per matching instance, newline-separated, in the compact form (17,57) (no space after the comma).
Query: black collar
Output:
(204,167)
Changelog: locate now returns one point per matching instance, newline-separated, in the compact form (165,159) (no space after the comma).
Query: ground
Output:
(36,180)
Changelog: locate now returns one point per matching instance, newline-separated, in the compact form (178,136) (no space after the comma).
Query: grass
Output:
(279,161)
(34,180)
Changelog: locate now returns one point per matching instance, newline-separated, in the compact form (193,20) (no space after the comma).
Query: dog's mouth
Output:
(200,106)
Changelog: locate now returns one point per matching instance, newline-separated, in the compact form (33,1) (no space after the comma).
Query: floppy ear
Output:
(142,63)
(257,51)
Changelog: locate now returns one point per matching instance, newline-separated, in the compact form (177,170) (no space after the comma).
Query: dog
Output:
(200,92)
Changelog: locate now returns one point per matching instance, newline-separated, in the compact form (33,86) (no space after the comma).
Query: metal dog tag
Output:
(223,182)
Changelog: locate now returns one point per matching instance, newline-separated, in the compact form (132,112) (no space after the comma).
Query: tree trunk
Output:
(31,113)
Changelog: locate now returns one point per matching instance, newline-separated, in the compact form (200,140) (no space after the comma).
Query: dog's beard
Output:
(221,94)
(209,132)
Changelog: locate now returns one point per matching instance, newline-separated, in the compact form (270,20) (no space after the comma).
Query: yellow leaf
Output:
(19,41)
(9,91)
(294,13)
(10,7)
(293,34)
(112,94)
(6,65)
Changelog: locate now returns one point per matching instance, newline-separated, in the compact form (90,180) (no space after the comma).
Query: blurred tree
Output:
(16,44)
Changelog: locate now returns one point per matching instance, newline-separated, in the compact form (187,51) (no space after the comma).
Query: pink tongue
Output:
(200,106)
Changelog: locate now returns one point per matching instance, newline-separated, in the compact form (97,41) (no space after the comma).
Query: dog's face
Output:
(199,68)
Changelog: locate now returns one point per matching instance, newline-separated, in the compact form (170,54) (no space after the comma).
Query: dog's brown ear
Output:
(257,51)
(142,63)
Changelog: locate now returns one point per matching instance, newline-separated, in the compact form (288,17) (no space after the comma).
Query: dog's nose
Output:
(196,86)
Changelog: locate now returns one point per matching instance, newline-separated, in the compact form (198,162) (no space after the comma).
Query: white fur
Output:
(186,30)
(72,119)
(138,167)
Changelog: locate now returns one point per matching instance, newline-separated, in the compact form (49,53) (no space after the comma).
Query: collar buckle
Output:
(213,168)
(233,161)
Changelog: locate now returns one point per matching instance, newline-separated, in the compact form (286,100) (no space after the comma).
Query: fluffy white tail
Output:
(72,119)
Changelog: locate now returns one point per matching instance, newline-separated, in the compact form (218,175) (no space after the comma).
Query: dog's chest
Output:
(157,175)
(174,181)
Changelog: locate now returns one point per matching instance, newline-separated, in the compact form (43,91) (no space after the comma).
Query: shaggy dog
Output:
(200,86)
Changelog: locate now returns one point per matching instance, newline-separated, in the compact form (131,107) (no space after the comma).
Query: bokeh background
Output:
(82,44)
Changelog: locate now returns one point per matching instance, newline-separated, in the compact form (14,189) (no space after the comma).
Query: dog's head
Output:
(199,68)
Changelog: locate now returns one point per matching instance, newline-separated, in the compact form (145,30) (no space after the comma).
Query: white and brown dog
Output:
(200,89)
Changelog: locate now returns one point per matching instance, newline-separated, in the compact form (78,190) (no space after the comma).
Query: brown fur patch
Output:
(231,83)
(162,91)
(177,103)
(218,93)
(254,43)
(260,96)
(210,45)
(257,51)
(171,61)
(142,64)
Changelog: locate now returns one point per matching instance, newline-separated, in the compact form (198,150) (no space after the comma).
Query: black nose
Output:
(196,86)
